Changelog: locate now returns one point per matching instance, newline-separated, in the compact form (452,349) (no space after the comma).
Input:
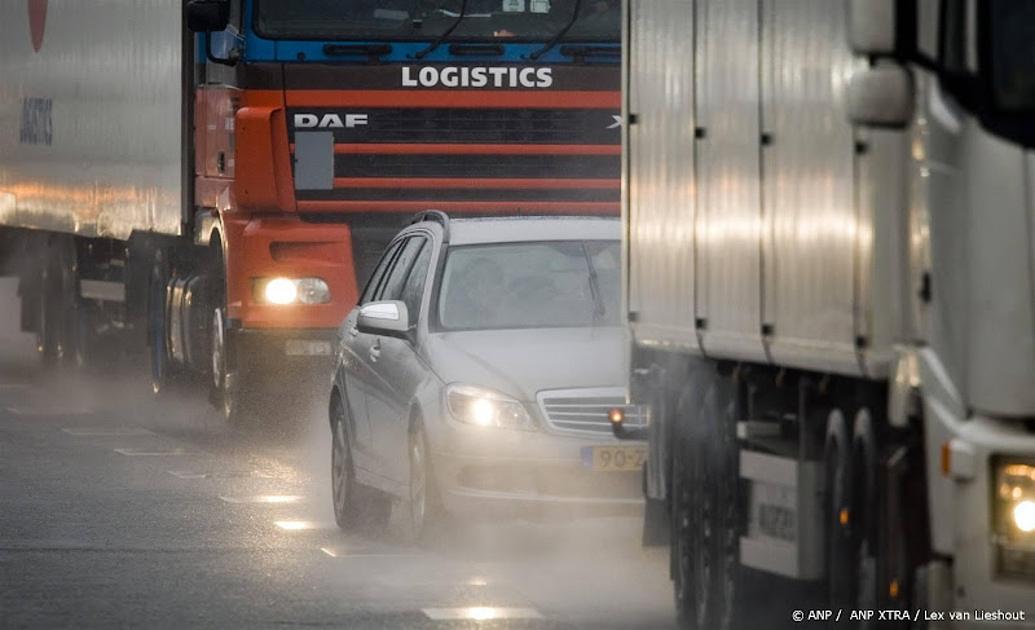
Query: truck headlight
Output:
(1015,517)
(1024,516)
(486,408)
(286,291)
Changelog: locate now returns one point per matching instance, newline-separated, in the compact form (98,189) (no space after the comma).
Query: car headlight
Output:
(486,408)
(1015,517)
(285,291)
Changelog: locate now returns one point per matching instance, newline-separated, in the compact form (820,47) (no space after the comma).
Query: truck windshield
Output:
(518,20)
(1014,54)
(530,285)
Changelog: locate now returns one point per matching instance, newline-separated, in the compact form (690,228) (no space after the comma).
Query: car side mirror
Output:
(208,16)
(881,96)
(390,318)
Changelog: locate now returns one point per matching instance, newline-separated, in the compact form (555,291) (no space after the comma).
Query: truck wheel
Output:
(47,342)
(238,410)
(863,493)
(657,517)
(842,549)
(55,336)
(86,350)
(162,373)
(703,504)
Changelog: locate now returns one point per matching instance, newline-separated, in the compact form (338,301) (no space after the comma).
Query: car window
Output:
(392,286)
(530,285)
(414,288)
(379,272)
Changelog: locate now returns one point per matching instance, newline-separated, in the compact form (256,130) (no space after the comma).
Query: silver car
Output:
(477,374)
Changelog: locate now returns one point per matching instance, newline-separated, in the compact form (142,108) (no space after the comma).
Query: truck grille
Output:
(415,125)
(585,410)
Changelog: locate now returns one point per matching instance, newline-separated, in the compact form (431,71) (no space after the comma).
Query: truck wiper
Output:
(445,34)
(560,34)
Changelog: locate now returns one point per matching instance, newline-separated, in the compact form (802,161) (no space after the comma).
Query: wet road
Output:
(116,509)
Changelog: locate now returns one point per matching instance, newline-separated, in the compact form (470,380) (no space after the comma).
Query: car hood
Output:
(521,363)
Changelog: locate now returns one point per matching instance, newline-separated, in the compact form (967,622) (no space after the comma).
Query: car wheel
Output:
(422,497)
(343,479)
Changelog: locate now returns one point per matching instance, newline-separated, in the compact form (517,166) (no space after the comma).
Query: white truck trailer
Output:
(830,283)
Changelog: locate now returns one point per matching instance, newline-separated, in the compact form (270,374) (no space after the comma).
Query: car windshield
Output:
(530,285)
(525,20)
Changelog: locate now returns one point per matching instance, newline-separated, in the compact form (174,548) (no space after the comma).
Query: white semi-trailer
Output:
(830,215)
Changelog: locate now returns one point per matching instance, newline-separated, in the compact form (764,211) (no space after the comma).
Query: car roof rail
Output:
(438,217)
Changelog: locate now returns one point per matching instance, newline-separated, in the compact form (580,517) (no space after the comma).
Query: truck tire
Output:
(47,342)
(163,374)
(842,546)
(865,499)
(657,516)
(706,520)
(57,315)
(87,350)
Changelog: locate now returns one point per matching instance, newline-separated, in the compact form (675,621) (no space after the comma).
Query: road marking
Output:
(14,385)
(480,613)
(294,526)
(32,412)
(229,474)
(136,452)
(334,552)
(264,498)
(106,432)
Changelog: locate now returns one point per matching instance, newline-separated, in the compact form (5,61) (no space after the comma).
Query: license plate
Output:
(614,458)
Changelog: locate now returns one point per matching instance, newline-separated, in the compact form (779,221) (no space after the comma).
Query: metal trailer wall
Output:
(91,121)
(761,226)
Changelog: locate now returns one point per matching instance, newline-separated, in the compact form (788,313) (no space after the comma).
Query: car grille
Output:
(586,411)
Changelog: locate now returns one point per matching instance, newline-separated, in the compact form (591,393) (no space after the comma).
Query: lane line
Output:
(106,432)
(35,412)
(230,474)
(480,613)
(363,553)
(264,498)
(134,452)
(298,526)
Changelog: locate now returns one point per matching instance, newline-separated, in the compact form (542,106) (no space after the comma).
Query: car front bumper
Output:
(500,472)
